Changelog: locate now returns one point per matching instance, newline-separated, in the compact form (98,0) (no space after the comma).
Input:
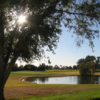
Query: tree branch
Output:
(50,9)
(9,49)
(88,15)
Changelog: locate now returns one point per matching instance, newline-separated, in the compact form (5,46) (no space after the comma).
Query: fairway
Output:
(15,89)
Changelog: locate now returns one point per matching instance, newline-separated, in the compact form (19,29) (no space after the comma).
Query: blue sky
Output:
(67,52)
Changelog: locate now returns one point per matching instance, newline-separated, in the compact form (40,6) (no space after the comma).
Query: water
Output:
(65,80)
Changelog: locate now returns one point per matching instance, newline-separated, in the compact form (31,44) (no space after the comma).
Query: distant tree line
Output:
(42,67)
(87,61)
(31,67)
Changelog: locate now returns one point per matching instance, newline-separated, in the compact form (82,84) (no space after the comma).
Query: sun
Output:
(21,19)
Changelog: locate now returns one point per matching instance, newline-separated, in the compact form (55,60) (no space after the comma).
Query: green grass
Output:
(93,94)
(98,70)
(32,73)
(27,73)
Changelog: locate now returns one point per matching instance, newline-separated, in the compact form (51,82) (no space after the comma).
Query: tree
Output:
(49,67)
(97,65)
(90,58)
(80,61)
(87,65)
(27,67)
(21,67)
(41,67)
(87,59)
(15,68)
(70,67)
(87,68)
(30,67)
(42,28)
(75,67)
(56,67)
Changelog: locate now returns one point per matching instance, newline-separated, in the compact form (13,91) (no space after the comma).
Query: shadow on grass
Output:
(96,99)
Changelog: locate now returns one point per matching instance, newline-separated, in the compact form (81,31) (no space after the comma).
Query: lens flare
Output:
(21,19)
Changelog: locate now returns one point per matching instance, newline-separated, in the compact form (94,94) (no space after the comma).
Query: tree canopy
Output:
(42,28)
(86,59)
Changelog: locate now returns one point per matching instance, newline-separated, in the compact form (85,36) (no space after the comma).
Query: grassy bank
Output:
(82,95)
(17,89)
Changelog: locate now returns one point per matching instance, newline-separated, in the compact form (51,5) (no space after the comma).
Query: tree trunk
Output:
(1,52)
(2,93)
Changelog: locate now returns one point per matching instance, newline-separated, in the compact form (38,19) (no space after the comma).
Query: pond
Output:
(65,80)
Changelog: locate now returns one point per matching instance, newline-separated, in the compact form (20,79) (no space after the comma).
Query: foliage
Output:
(21,67)
(56,67)
(80,61)
(75,67)
(97,63)
(84,64)
(87,68)
(30,67)
(90,58)
(87,59)
(41,67)
(15,68)
(49,67)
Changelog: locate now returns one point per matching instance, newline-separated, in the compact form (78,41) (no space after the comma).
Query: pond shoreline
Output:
(69,79)
(52,76)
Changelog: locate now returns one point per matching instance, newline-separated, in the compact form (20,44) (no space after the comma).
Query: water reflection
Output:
(66,80)
(36,80)
(89,80)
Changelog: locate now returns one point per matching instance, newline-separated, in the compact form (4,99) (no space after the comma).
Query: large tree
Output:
(86,59)
(42,28)
(87,68)
(90,58)
(87,65)
(80,61)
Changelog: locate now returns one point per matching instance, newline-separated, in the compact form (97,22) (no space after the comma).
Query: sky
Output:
(67,52)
